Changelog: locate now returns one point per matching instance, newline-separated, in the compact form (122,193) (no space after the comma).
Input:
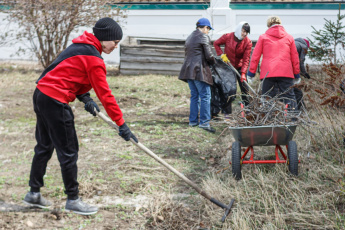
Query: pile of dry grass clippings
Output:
(167,212)
(326,102)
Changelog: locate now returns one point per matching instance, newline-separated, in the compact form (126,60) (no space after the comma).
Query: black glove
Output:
(90,106)
(306,75)
(84,97)
(126,133)
(342,86)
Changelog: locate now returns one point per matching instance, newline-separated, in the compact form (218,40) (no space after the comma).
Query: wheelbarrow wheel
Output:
(236,160)
(293,158)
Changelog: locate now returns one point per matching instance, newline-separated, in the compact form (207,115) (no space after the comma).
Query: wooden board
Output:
(150,66)
(146,72)
(138,51)
(157,57)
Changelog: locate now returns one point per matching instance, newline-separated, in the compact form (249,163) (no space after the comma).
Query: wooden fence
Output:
(151,56)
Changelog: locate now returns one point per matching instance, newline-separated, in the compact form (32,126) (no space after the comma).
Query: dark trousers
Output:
(54,130)
(244,89)
(299,98)
(280,85)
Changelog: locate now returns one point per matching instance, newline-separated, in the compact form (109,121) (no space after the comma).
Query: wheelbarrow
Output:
(264,136)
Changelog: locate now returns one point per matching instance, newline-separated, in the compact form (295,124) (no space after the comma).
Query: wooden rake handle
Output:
(172,169)
(154,156)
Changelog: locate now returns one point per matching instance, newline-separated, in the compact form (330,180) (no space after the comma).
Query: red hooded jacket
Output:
(75,71)
(238,51)
(280,57)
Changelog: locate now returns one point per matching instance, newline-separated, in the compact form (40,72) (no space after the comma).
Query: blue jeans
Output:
(199,90)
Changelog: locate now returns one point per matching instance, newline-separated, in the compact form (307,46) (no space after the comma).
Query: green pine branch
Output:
(325,41)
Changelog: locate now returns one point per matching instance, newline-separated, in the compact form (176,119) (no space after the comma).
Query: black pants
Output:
(299,98)
(54,129)
(280,85)
(244,89)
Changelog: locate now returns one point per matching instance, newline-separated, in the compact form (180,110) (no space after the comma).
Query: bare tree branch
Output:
(46,25)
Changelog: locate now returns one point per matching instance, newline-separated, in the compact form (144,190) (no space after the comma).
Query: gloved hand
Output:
(90,106)
(307,75)
(243,77)
(224,58)
(126,133)
(342,86)
(296,81)
(250,79)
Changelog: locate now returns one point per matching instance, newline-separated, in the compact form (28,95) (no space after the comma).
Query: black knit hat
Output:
(106,29)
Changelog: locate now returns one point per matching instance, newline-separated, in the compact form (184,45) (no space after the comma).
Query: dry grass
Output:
(165,212)
(268,197)
(156,108)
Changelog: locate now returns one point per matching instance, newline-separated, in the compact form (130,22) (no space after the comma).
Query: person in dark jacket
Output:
(237,49)
(302,46)
(196,71)
(78,69)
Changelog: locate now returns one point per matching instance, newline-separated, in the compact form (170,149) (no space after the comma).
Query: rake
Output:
(227,208)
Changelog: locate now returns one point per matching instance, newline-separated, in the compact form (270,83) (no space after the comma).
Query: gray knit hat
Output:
(106,29)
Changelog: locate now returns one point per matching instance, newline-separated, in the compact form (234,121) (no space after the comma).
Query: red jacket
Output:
(280,57)
(76,70)
(238,51)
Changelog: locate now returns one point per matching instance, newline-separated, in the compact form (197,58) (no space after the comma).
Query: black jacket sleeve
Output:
(301,53)
(301,61)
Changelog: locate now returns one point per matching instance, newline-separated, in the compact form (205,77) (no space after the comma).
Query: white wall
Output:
(178,24)
(296,22)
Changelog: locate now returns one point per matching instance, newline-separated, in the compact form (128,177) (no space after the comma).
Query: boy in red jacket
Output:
(77,70)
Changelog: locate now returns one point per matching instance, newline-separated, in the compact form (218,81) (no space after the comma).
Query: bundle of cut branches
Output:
(263,110)
(266,111)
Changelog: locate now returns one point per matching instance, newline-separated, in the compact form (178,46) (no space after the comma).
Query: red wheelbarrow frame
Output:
(252,161)
(276,161)
(245,136)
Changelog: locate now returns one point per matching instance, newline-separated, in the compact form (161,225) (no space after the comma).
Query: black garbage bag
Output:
(224,87)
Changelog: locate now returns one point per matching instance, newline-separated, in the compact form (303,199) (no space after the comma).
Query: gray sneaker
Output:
(79,207)
(35,199)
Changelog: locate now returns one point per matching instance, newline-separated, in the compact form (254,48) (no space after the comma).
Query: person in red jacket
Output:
(237,49)
(78,69)
(280,62)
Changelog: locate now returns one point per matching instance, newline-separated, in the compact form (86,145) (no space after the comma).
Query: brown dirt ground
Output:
(105,171)
(133,191)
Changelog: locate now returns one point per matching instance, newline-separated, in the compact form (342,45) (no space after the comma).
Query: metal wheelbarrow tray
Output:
(263,136)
